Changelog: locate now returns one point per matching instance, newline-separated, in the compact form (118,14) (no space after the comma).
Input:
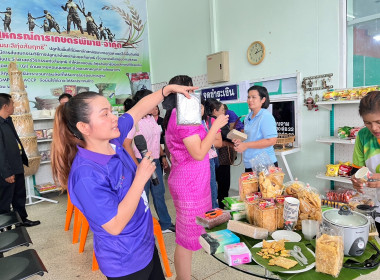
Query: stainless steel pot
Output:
(355,226)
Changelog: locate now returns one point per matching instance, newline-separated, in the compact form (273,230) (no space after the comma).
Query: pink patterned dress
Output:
(189,183)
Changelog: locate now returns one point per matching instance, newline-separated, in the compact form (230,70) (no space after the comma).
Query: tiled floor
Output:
(62,260)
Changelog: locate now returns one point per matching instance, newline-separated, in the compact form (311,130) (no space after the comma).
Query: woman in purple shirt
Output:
(104,184)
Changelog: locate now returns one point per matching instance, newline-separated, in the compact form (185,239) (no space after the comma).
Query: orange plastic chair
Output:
(69,213)
(84,231)
(77,225)
(95,265)
(161,244)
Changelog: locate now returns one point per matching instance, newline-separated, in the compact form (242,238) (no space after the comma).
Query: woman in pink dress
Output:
(189,180)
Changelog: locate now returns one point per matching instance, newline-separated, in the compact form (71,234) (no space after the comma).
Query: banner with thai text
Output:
(75,45)
(224,93)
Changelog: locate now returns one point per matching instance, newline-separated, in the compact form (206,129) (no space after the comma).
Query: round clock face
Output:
(256,53)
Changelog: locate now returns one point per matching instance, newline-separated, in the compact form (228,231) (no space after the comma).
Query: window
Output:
(363,42)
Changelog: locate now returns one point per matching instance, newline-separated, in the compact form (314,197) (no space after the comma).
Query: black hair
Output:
(5,99)
(140,94)
(263,92)
(63,95)
(128,104)
(170,102)
(211,105)
(370,103)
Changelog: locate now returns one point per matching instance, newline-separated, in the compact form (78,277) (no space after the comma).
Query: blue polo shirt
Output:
(97,184)
(262,126)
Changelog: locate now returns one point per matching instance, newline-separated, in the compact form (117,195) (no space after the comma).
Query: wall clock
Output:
(256,52)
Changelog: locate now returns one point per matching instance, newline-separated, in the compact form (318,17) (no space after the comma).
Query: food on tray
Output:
(283,262)
(329,254)
(247,229)
(270,187)
(273,249)
(248,184)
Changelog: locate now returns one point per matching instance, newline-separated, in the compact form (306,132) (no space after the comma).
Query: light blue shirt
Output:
(262,126)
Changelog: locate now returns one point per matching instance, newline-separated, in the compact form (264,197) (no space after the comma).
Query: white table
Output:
(282,154)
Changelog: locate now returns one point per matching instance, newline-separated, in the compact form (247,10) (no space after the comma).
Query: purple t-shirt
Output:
(97,184)
(232,119)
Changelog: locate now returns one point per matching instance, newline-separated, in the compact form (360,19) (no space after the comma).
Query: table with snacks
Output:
(274,230)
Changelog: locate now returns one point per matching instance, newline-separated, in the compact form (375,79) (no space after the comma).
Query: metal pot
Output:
(355,226)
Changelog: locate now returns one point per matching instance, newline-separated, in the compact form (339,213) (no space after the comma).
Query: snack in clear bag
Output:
(310,205)
(261,163)
(269,186)
(248,184)
(329,251)
(293,187)
(189,110)
(361,199)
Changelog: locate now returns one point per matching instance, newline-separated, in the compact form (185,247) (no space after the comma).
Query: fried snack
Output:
(329,254)
(250,210)
(283,262)
(293,189)
(273,249)
(270,187)
(310,206)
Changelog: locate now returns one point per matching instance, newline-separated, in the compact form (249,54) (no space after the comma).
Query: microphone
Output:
(141,145)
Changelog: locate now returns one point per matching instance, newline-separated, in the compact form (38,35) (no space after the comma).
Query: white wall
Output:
(299,35)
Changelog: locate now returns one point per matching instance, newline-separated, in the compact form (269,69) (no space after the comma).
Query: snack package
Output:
(293,187)
(250,210)
(344,170)
(310,205)
(248,184)
(234,203)
(238,253)
(247,229)
(332,170)
(211,222)
(329,251)
(214,242)
(329,95)
(261,163)
(344,132)
(265,217)
(361,199)
(189,110)
(270,187)
(340,195)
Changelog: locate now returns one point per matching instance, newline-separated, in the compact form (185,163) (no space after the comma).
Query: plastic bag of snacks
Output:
(293,187)
(270,187)
(248,184)
(344,132)
(361,199)
(340,195)
(310,205)
(329,251)
(261,163)
(332,170)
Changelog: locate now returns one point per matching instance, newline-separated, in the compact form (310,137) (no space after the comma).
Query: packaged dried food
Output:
(293,187)
(329,250)
(265,218)
(247,229)
(361,199)
(270,187)
(189,110)
(213,221)
(332,170)
(248,184)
